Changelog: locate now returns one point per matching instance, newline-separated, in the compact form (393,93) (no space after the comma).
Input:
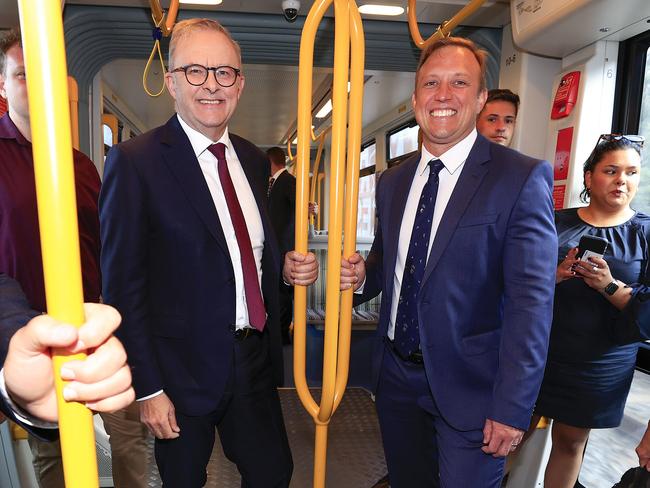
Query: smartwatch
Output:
(611,288)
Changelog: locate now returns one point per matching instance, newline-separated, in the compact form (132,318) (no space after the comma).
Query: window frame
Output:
(630,78)
(629,83)
(369,169)
(390,162)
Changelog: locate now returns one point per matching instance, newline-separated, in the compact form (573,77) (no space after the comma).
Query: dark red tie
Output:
(254,301)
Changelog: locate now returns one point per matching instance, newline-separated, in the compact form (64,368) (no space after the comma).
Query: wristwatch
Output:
(611,288)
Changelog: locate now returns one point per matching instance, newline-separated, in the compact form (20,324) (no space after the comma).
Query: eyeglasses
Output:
(196,75)
(632,138)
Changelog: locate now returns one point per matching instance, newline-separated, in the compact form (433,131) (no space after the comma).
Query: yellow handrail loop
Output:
(47,90)
(349,52)
(445,28)
(162,28)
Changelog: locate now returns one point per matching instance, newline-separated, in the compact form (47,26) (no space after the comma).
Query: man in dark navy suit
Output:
(464,257)
(190,261)
(27,395)
(282,211)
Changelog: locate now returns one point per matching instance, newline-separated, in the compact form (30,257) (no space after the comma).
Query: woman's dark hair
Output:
(606,144)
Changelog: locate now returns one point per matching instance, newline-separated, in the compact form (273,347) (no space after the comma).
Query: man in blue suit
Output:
(464,257)
(190,260)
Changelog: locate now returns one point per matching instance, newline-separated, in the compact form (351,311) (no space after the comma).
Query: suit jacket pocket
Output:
(474,220)
(170,327)
(481,343)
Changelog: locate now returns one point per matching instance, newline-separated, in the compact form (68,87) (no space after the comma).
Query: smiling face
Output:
(497,121)
(13,87)
(448,97)
(614,179)
(209,107)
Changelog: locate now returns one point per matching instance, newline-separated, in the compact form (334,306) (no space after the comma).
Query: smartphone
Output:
(591,246)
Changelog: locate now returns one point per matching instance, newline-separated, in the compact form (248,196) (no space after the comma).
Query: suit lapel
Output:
(179,157)
(472,174)
(397,205)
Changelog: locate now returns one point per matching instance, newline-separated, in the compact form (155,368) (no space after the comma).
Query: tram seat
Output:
(364,323)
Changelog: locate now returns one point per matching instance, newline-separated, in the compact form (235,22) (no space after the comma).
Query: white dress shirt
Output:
(208,164)
(454,160)
(277,173)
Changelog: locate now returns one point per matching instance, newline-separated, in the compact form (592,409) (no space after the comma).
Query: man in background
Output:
(20,254)
(282,212)
(499,115)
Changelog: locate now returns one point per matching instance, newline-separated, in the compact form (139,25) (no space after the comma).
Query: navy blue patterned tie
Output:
(407,330)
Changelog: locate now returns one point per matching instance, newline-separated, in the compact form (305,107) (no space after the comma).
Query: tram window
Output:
(366,212)
(642,202)
(108,136)
(402,141)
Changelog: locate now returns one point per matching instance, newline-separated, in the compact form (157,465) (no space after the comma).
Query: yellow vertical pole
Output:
(319,186)
(73,93)
(337,338)
(351,194)
(47,83)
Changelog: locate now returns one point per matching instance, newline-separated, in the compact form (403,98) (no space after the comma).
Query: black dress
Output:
(593,345)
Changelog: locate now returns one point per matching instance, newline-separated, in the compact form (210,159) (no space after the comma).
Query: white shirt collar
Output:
(278,173)
(453,158)
(200,142)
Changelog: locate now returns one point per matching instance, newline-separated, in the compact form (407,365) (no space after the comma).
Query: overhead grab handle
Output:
(445,28)
(162,28)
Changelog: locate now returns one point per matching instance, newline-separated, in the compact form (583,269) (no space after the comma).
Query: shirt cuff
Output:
(359,290)
(159,392)
(20,414)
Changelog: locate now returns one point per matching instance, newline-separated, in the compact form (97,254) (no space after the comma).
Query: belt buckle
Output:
(241,334)
(415,358)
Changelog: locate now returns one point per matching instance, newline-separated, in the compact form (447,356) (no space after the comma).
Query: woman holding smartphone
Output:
(602,307)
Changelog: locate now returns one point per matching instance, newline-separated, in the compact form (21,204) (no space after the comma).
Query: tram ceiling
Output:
(99,34)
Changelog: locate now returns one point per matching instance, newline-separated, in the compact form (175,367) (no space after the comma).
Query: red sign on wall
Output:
(558,196)
(562,154)
(3,106)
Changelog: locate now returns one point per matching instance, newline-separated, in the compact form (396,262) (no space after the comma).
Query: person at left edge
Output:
(102,381)
(183,216)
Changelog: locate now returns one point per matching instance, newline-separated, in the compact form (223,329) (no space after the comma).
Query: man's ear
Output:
(482,98)
(240,88)
(170,84)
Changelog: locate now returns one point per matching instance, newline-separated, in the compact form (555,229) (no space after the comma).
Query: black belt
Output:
(245,333)
(413,358)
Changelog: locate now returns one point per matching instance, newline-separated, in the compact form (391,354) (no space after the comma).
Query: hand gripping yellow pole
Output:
(348,36)
(42,30)
(445,28)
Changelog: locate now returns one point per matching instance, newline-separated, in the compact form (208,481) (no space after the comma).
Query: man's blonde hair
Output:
(185,28)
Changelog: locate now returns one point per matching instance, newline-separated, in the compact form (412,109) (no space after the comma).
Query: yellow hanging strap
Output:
(445,28)
(343,183)
(47,84)
(162,28)
(157,36)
